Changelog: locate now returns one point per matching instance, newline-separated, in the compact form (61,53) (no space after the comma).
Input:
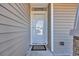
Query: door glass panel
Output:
(39,27)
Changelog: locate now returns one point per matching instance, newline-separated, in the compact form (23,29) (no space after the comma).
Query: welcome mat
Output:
(38,47)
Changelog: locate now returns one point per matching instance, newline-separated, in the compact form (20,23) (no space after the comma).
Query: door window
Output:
(39,27)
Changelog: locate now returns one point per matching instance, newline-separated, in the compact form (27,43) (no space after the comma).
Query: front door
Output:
(39,28)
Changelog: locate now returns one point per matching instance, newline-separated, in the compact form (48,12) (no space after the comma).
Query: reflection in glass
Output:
(39,27)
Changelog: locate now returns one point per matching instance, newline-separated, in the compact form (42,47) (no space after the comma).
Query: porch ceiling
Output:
(39,5)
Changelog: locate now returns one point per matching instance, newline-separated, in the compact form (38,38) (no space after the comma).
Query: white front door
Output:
(39,28)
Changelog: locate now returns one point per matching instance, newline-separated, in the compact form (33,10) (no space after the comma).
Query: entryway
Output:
(39,27)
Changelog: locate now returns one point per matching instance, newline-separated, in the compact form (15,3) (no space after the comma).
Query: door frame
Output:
(52,38)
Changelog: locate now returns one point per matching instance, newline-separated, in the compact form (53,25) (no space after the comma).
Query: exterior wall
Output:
(64,17)
(14,29)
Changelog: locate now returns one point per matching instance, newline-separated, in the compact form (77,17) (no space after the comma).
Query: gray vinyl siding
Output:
(64,17)
(14,29)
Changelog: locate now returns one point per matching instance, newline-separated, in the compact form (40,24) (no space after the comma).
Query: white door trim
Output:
(52,39)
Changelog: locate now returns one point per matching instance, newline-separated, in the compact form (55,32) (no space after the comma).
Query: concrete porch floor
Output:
(40,53)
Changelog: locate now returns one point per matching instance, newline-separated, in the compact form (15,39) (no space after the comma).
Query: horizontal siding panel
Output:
(9,14)
(10,46)
(62,11)
(9,37)
(18,10)
(8,21)
(67,6)
(10,29)
(62,20)
(24,11)
(69,12)
(62,27)
(64,17)
(13,10)
(64,7)
(11,51)
(60,23)
(14,29)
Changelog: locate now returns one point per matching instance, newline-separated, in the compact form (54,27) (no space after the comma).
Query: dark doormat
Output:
(38,47)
